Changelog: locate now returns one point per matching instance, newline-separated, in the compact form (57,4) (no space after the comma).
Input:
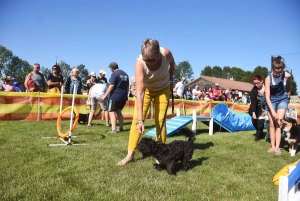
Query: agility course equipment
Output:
(289,186)
(58,124)
(68,134)
(176,123)
(230,120)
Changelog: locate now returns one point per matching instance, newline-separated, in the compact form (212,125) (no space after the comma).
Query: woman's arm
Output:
(268,94)
(140,90)
(170,59)
(288,83)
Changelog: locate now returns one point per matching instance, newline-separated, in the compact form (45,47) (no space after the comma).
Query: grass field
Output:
(226,166)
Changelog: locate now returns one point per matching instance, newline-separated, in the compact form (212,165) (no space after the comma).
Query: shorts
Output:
(95,97)
(115,105)
(279,102)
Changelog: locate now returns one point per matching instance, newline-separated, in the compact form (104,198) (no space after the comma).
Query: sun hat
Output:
(217,84)
(93,74)
(9,78)
(102,72)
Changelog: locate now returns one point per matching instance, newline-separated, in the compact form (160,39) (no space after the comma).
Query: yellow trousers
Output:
(161,100)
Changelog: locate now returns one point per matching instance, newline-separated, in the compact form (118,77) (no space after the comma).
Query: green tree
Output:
(237,73)
(183,69)
(216,71)
(248,75)
(262,71)
(65,69)
(45,71)
(5,57)
(226,72)
(18,69)
(294,85)
(207,71)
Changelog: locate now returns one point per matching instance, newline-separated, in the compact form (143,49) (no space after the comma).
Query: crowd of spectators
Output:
(211,93)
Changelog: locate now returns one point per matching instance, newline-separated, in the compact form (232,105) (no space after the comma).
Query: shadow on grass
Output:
(203,146)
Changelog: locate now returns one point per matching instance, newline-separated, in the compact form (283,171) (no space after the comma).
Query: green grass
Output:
(226,166)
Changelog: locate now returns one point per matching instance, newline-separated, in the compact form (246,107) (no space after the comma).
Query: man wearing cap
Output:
(217,92)
(102,79)
(118,91)
(92,81)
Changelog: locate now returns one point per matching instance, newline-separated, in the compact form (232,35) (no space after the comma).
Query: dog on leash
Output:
(167,155)
(292,131)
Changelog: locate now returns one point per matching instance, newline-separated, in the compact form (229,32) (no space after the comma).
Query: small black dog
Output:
(83,118)
(167,155)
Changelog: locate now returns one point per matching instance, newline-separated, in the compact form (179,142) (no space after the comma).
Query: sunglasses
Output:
(256,83)
(150,60)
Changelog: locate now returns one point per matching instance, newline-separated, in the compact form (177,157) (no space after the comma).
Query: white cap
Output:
(217,84)
(93,74)
(102,72)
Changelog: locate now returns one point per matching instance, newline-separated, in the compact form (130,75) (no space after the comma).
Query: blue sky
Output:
(235,33)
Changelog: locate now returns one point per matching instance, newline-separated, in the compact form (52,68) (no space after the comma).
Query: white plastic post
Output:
(194,124)
(72,112)
(39,105)
(178,112)
(61,102)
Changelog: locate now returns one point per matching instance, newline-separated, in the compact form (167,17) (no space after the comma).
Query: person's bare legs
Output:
(272,132)
(120,118)
(127,159)
(106,116)
(113,120)
(278,134)
(91,116)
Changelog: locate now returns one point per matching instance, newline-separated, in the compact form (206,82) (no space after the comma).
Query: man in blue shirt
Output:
(118,91)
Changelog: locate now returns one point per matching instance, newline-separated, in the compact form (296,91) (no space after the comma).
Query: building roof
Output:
(223,83)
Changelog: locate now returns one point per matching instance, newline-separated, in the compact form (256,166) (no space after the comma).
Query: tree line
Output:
(18,68)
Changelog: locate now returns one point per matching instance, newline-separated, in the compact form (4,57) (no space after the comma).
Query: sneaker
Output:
(89,125)
(108,125)
(114,132)
(120,130)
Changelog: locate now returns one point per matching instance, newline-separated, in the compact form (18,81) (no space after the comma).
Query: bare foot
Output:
(125,161)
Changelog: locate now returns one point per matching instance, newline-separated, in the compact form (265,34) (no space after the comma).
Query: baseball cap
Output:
(102,72)
(93,74)
(217,84)
(113,65)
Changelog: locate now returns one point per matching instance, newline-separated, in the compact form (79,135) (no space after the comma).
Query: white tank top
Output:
(158,79)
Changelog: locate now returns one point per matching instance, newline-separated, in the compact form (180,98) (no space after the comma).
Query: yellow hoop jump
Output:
(63,135)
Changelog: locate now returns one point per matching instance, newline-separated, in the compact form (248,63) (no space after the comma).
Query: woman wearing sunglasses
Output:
(154,70)
(278,90)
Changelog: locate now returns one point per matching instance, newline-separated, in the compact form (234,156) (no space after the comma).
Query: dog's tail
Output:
(191,135)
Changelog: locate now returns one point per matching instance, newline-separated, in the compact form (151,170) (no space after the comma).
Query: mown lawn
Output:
(226,166)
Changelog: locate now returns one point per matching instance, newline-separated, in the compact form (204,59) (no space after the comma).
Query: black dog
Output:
(167,155)
(83,118)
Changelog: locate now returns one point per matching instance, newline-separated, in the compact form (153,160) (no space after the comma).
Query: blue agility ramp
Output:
(231,121)
(173,125)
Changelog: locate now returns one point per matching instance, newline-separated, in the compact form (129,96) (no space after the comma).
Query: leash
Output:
(164,120)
